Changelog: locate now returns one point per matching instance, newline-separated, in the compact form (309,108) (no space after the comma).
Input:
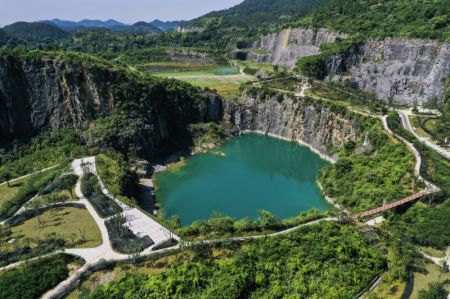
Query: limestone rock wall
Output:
(407,71)
(294,119)
(288,46)
(42,94)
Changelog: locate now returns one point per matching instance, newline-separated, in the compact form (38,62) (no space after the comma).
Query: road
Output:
(404,115)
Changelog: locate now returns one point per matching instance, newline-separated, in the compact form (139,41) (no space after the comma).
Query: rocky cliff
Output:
(302,120)
(43,93)
(407,71)
(288,46)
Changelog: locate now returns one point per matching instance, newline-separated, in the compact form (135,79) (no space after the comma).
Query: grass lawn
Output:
(7,193)
(109,172)
(67,222)
(226,87)
(173,65)
(60,196)
(430,124)
(433,252)
(417,126)
(388,290)
(215,71)
(268,67)
(421,281)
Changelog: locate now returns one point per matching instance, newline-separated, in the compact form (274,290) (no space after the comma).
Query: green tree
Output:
(435,290)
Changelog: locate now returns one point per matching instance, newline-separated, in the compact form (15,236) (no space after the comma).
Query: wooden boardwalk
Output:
(394,204)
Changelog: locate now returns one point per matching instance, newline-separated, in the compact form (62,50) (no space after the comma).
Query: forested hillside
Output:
(323,261)
(405,18)
(259,13)
(35,32)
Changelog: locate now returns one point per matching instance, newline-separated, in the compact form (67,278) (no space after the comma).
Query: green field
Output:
(8,192)
(268,67)
(433,251)
(226,86)
(225,79)
(74,225)
(421,280)
(207,71)
(54,197)
(416,122)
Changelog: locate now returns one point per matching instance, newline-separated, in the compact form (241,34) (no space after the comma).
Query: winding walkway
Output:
(404,115)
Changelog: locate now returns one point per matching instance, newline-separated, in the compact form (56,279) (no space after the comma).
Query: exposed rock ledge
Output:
(300,120)
(288,46)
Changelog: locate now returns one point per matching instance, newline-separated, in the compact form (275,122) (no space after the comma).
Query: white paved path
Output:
(404,115)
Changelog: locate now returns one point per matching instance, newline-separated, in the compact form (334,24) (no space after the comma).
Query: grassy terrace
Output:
(73,225)
(225,79)
(8,192)
(12,199)
(431,274)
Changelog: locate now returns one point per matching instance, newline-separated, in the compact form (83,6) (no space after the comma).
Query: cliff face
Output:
(288,46)
(295,119)
(408,71)
(42,94)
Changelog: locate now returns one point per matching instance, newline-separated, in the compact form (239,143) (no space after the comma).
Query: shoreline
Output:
(313,149)
(331,200)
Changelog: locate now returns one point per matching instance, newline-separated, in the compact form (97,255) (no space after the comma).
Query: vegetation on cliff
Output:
(383,174)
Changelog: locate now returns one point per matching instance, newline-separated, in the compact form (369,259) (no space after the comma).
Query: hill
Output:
(141,27)
(166,26)
(380,18)
(85,24)
(5,38)
(35,32)
(257,13)
(113,25)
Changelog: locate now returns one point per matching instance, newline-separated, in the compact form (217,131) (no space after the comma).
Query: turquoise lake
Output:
(248,173)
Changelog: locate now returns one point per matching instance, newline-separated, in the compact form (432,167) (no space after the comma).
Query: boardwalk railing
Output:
(394,204)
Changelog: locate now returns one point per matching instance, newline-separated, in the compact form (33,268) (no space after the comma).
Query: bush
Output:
(122,239)
(315,260)
(313,67)
(31,188)
(34,279)
(104,205)
(435,290)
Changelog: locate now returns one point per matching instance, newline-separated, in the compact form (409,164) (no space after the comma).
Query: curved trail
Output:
(404,115)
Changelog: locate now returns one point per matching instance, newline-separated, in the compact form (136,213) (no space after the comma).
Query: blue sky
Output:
(127,11)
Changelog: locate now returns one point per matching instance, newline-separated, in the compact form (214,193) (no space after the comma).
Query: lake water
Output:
(226,71)
(247,174)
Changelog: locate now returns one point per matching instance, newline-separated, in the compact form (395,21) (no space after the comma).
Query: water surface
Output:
(247,174)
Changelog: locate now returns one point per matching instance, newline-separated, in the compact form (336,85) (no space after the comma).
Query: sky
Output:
(126,11)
